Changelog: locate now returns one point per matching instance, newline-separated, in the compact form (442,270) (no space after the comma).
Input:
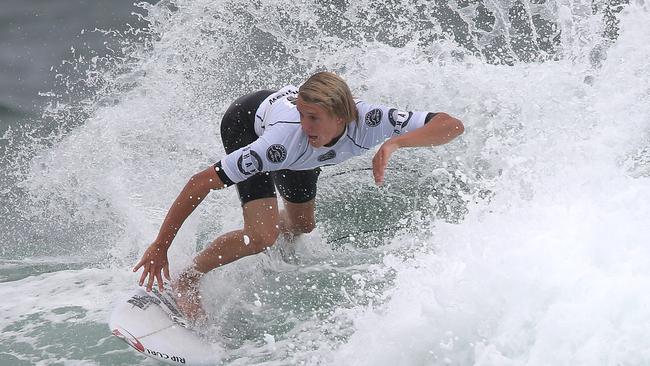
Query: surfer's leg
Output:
(260,231)
(297,218)
(298,191)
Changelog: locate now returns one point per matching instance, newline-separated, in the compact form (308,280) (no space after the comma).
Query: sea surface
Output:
(526,241)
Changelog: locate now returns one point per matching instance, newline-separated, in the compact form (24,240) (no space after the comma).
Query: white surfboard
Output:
(152,324)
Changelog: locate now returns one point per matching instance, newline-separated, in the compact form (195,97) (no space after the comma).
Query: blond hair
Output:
(329,91)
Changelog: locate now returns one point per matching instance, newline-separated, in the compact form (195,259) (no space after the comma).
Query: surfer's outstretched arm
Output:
(154,260)
(439,130)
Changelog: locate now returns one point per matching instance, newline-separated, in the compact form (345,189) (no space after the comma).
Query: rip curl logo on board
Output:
(165,356)
(130,339)
(249,162)
(373,118)
(327,156)
(399,119)
(276,153)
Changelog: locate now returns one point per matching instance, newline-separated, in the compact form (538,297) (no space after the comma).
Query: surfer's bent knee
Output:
(305,227)
(262,239)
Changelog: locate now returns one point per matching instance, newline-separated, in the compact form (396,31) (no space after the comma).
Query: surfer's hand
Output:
(154,260)
(380,161)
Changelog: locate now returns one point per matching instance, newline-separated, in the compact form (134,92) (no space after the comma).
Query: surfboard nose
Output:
(144,322)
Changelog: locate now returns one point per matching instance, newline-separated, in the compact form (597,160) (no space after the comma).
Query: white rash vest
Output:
(283,145)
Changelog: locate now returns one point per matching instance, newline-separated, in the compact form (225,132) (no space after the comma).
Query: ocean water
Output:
(523,242)
(37,35)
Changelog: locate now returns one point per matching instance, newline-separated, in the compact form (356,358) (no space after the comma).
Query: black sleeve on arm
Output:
(222,175)
(428,117)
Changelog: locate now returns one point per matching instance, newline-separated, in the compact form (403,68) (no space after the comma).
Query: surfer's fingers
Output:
(380,160)
(378,165)
(166,272)
(151,278)
(144,274)
(138,265)
(374,165)
(150,283)
(160,281)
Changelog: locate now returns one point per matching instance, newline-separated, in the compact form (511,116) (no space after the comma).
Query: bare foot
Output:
(186,293)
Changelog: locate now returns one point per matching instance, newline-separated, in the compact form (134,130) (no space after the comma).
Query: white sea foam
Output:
(554,270)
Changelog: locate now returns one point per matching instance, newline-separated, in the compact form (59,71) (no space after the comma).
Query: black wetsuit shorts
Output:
(238,130)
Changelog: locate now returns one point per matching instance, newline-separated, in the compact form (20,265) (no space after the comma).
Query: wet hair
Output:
(329,91)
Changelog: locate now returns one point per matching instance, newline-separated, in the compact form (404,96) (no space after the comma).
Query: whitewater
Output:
(523,242)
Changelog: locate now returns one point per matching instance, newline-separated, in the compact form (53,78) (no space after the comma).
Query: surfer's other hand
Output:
(154,261)
(380,160)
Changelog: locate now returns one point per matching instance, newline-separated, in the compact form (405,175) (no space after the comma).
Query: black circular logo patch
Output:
(327,156)
(249,162)
(399,118)
(276,153)
(373,118)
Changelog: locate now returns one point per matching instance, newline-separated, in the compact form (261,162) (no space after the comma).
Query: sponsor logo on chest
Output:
(327,156)
(373,118)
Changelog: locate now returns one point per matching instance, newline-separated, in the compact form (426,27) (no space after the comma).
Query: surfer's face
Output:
(318,124)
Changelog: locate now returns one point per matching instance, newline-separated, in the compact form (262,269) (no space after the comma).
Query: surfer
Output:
(280,139)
